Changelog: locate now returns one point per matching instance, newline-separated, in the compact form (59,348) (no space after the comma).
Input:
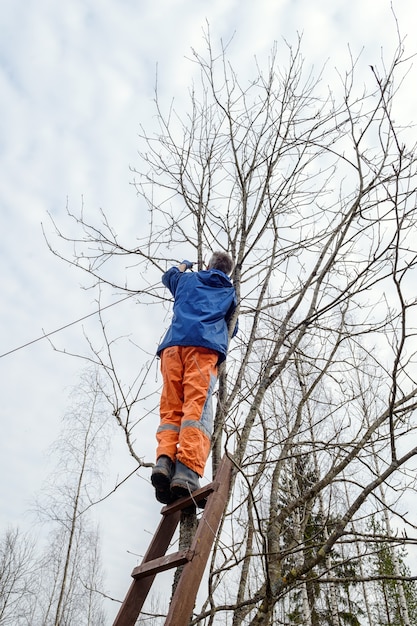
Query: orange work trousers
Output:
(189,375)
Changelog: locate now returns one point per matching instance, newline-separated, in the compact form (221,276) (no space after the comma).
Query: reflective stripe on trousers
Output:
(189,375)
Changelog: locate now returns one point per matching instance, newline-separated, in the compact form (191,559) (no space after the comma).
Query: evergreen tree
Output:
(393,587)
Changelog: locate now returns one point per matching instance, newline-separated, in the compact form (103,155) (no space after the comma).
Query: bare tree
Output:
(70,568)
(17,568)
(313,192)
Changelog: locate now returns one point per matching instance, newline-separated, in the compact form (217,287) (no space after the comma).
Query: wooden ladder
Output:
(193,559)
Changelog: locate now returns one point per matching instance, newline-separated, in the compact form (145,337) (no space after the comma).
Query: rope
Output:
(58,330)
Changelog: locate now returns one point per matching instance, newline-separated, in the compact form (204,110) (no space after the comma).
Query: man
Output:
(193,347)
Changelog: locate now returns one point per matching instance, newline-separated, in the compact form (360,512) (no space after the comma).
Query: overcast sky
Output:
(76,83)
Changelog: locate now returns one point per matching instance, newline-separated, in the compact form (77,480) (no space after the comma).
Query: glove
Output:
(188,264)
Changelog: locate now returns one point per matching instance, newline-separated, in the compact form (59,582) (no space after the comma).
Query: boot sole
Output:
(160,480)
(183,489)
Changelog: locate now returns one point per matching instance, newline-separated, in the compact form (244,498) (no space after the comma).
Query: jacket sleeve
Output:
(170,279)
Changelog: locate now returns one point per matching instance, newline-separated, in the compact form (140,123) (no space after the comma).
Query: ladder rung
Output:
(162,563)
(186,501)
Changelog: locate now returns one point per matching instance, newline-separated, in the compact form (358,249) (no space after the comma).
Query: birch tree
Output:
(312,189)
(70,568)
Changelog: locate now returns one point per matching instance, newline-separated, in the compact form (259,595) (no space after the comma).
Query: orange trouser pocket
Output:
(189,375)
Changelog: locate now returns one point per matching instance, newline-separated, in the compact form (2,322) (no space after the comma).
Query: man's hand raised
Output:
(188,264)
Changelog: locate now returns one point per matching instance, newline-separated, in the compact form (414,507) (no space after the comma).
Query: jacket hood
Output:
(215,278)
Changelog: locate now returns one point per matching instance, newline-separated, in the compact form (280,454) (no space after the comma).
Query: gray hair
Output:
(221,261)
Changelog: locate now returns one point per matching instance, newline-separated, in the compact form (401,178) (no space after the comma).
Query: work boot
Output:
(161,476)
(185,481)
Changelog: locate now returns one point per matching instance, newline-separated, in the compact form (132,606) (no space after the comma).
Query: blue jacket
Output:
(204,302)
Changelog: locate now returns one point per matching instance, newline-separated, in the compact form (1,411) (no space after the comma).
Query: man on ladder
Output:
(193,347)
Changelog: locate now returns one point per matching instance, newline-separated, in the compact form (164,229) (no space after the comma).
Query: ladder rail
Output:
(183,600)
